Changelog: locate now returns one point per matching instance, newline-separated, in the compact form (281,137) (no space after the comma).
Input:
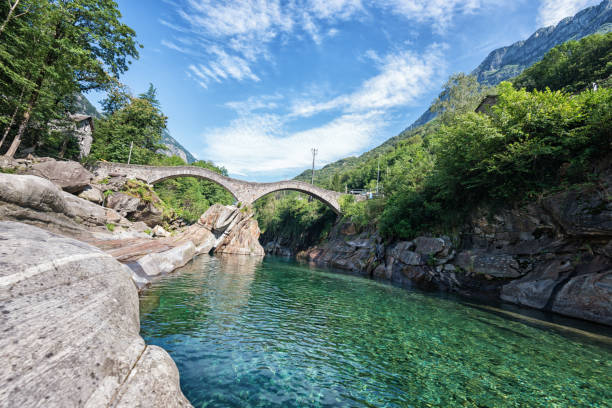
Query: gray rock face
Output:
(69,176)
(135,209)
(123,203)
(72,311)
(536,288)
(92,194)
(582,213)
(509,61)
(587,297)
(493,264)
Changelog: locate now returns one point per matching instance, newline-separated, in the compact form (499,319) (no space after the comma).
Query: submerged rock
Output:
(72,314)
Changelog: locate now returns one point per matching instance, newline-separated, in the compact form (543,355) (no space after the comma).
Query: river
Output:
(274,333)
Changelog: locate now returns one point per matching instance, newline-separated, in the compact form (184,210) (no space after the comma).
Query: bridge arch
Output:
(329,198)
(215,180)
(243,191)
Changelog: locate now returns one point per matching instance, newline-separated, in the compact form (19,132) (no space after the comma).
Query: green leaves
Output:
(572,66)
(531,141)
(137,121)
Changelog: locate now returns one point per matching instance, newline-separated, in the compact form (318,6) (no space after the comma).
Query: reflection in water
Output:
(246,333)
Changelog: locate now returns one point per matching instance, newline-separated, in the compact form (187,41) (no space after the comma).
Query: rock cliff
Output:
(554,254)
(507,62)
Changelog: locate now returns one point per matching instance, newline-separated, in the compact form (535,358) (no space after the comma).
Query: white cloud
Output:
(439,13)
(553,11)
(232,36)
(404,76)
(258,141)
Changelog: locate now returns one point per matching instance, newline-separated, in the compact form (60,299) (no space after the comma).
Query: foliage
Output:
(53,50)
(110,227)
(190,197)
(461,94)
(572,66)
(362,213)
(290,216)
(531,141)
(129,120)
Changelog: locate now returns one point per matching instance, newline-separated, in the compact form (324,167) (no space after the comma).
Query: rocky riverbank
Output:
(71,328)
(69,280)
(554,254)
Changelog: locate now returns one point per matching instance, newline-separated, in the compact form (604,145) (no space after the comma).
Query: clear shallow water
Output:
(247,333)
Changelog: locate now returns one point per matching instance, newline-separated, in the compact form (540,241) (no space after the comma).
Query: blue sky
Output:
(254,84)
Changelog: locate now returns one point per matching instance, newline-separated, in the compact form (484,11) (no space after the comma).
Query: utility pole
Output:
(314,153)
(130,156)
(378,175)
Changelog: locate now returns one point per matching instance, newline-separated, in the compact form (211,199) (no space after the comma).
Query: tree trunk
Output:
(12,122)
(22,127)
(25,120)
(9,16)
(9,126)
(62,151)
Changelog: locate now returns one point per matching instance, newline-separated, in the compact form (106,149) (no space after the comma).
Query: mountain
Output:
(81,105)
(173,147)
(508,62)
(501,64)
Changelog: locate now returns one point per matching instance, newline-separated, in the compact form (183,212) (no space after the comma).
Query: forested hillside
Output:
(545,132)
(501,64)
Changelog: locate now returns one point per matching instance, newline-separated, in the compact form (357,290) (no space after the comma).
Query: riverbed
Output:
(273,333)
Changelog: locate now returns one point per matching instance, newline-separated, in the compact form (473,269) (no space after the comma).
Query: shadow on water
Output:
(274,333)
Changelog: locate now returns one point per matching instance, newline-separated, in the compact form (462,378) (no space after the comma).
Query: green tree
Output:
(573,66)
(139,123)
(62,46)
(461,94)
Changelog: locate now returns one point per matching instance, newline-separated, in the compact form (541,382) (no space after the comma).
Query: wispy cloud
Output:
(439,13)
(232,37)
(258,140)
(404,76)
(260,143)
(553,11)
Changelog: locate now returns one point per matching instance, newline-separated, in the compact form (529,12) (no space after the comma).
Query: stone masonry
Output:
(245,192)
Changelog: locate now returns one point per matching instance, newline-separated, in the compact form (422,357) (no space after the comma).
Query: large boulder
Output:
(32,192)
(536,288)
(158,263)
(39,202)
(124,204)
(135,208)
(68,175)
(587,297)
(71,328)
(242,238)
(93,194)
(91,214)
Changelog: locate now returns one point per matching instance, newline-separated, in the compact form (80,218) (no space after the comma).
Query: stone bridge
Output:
(244,192)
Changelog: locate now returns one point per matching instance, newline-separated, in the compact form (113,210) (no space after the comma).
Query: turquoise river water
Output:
(273,333)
